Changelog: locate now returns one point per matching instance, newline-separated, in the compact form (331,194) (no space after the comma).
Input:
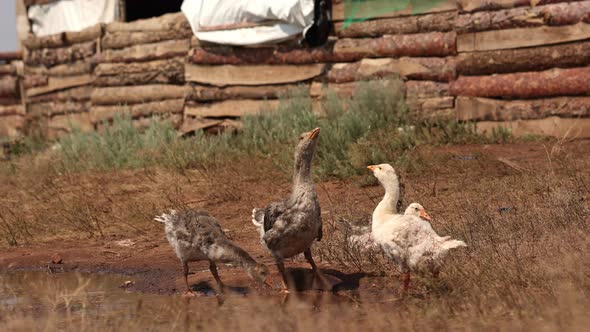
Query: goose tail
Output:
(258,220)
(451,244)
(166,218)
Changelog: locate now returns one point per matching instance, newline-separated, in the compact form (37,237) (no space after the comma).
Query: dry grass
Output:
(527,266)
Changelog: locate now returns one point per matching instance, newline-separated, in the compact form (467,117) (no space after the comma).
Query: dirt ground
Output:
(139,249)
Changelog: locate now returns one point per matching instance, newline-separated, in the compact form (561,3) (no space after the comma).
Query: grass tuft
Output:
(374,125)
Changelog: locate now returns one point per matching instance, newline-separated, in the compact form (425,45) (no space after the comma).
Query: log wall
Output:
(493,61)
(12,111)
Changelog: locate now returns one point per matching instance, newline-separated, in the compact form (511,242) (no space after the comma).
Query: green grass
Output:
(372,126)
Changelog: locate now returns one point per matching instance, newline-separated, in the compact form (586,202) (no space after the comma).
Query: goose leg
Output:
(316,272)
(281,268)
(213,269)
(406,282)
(188,292)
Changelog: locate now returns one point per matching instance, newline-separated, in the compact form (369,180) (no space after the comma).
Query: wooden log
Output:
(141,79)
(343,50)
(423,44)
(10,56)
(251,75)
(80,93)
(162,50)
(54,56)
(137,94)
(33,81)
(62,124)
(485,109)
(339,15)
(89,34)
(209,93)
(10,101)
(101,113)
(192,124)
(69,69)
(107,69)
(526,59)
(9,86)
(144,122)
(479,5)
(430,104)
(553,15)
(426,89)
(520,38)
(170,71)
(400,25)
(230,108)
(433,114)
(218,55)
(54,108)
(11,126)
(60,83)
(319,90)
(555,82)
(551,126)
(209,126)
(436,69)
(33,42)
(7,69)
(16,109)
(122,39)
(64,38)
(167,22)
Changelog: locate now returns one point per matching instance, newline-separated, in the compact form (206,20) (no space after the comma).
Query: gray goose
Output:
(289,227)
(195,236)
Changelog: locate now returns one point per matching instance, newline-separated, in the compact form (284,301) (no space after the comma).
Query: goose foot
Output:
(189,293)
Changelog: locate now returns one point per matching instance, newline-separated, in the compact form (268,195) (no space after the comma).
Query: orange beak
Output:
(314,133)
(425,215)
(372,167)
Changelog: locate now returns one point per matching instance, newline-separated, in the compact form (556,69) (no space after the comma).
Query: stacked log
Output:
(524,67)
(500,62)
(141,70)
(417,48)
(58,77)
(11,108)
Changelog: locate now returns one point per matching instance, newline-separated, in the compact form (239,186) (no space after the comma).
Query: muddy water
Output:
(75,299)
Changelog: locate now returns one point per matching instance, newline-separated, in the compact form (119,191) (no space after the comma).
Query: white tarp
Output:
(70,15)
(247,22)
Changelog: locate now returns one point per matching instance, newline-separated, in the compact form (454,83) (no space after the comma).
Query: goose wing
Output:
(426,245)
(272,213)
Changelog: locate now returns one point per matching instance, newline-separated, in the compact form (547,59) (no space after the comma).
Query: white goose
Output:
(409,240)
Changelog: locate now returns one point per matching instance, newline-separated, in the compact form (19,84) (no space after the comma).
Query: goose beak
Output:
(372,167)
(314,133)
(425,215)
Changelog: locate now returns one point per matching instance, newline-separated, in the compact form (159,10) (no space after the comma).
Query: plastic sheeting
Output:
(70,15)
(243,22)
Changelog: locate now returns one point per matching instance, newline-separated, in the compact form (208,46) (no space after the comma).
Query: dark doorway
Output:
(138,9)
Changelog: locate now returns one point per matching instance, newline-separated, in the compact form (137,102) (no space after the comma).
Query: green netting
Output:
(361,10)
